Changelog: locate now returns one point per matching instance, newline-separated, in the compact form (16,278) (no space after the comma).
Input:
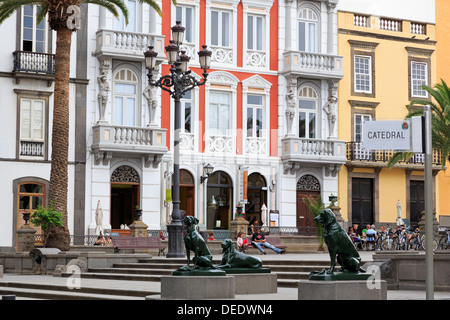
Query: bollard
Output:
(9,297)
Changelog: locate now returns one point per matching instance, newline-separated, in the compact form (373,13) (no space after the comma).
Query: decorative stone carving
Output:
(331,107)
(152,103)
(152,160)
(290,111)
(102,157)
(125,174)
(308,183)
(103,84)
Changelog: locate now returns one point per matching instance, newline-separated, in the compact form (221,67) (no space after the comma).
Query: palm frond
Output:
(8,7)
(111,6)
(154,5)
(43,10)
(440,117)
(397,157)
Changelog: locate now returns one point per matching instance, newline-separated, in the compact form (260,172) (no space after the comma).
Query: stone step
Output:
(62,291)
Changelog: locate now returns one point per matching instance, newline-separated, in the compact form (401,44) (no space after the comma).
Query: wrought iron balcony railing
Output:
(356,152)
(34,62)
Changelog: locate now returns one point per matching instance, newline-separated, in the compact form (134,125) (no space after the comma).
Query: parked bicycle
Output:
(415,241)
(401,242)
(384,241)
(444,241)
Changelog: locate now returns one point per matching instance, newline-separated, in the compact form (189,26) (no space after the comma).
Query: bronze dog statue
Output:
(234,259)
(339,244)
(193,241)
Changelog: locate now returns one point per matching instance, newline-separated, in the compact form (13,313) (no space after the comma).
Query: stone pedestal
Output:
(238,225)
(1,272)
(337,212)
(255,283)
(196,288)
(342,290)
(138,229)
(25,238)
(422,224)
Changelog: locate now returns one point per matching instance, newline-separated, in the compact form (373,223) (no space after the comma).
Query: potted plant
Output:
(239,207)
(316,206)
(47,219)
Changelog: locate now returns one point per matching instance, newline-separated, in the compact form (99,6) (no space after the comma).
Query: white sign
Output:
(387,135)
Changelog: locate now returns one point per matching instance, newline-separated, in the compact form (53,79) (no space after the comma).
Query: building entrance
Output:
(125,196)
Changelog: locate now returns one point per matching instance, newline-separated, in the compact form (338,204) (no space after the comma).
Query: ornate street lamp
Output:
(177,83)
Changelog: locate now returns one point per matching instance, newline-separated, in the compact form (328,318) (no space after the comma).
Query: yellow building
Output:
(388,53)
(443,72)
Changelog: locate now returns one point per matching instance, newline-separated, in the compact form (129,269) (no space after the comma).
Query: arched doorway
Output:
(256,195)
(187,193)
(125,196)
(219,201)
(307,186)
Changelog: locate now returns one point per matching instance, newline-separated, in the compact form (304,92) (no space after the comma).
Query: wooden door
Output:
(362,201)
(416,202)
(305,219)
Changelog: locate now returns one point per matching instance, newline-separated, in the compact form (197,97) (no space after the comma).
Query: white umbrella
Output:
(98,219)
(399,214)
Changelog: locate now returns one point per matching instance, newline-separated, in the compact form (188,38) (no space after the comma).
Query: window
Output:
(186,112)
(219,113)
(255,124)
(125,98)
(255,32)
(307,30)
(418,79)
(307,113)
(363,74)
(32,127)
(119,23)
(220,28)
(186,16)
(34,37)
(359,120)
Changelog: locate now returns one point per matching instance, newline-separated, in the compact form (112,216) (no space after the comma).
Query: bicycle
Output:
(401,242)
(424,245)
(385,241)
(415,242)
(444,241)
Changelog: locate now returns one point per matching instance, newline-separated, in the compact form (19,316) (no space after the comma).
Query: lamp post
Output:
(177,83)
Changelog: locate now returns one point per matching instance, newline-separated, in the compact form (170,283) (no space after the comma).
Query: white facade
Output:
(26,125)
(118,151)
(310,71)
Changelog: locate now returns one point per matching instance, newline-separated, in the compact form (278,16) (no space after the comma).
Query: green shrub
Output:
(47,218)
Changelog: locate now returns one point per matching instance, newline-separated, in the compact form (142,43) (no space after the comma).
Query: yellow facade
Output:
(443,72)
(381,56)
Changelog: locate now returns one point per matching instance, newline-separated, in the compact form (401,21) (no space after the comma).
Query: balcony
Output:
(113,140)
(35,65)
(127,45)
(324,152)
(358,156)
(313,65)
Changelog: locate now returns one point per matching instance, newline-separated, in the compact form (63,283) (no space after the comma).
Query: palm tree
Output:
(59,13)
(440,122)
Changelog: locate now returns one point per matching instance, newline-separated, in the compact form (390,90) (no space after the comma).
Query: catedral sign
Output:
(387,135)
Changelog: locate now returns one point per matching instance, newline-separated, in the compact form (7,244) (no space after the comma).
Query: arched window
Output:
(307,112)
(308,25)
(125,98)
(220,200)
